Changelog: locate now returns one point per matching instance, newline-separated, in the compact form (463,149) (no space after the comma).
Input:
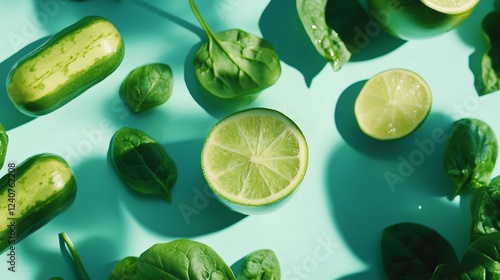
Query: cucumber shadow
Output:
(95,259)
(194,210)
(10,116)
(93,222)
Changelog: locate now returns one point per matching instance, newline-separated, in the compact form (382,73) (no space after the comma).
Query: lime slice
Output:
(254,159)
(451,7)
(392,104)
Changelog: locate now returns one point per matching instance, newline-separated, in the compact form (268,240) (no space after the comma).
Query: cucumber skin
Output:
(74,87)
(40,213)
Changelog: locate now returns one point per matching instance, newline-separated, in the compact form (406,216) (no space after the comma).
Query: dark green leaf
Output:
(414,251)
(470,155)
(147,86)
(326,40)
(142,163)
(4,141)
(182,259)
(481,260)
(485,210)
(125,269)
(491,60)
(260,265)
(444,272)
(234,63)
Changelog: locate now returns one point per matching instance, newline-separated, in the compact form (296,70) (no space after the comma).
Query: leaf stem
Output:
(210,34)
(82,273)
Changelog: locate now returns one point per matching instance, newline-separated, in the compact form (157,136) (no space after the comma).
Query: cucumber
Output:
(69,63)
(33,193)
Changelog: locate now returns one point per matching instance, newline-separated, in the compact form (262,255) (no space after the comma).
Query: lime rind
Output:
(451,7)
(392,104)
(228,156)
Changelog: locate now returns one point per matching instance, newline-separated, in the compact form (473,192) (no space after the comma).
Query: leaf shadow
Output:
(359,30)
(281,26)
(215,106)
(194,209)
(10,116)
(58,263)
(471,32)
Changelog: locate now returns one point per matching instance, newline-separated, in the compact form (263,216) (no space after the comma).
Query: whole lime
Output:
(418,19)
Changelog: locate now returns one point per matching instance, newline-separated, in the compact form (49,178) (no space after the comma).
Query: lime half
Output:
(254,159)
(392,104)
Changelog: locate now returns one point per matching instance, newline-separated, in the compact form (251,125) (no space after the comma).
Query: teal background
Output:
(331,227)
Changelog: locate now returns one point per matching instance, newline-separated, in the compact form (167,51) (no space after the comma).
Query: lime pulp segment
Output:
(255,157)
(451,6)
(392,104)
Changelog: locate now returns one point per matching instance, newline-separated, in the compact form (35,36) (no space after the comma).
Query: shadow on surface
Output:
(216,107)
(472,34)
(95,214)
(194,209)
(281,26)
(95,253)
(359,30)
(10,116)
(363,204)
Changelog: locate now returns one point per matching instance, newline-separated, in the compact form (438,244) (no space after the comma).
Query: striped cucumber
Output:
(69,63)
(32,194)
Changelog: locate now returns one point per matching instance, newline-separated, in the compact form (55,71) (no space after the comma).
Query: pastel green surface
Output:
(354,186)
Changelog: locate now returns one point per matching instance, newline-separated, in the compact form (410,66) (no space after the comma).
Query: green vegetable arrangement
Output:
(414,251)
(234,63)
(491,59)
(470,155)
(142,163)
(147,86)
(183,259)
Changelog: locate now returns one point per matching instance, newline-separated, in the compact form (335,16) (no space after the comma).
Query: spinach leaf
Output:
(485,210)
(481,260)
(414,251)
(444,272)
(326,40)
(4,141)
(260,265)
(490,64)
(125,269)
(182,259)
(142,163)
(470,154)
(147,86)
(234,63)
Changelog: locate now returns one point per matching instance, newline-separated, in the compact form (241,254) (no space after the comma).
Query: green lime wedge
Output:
(254,159)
